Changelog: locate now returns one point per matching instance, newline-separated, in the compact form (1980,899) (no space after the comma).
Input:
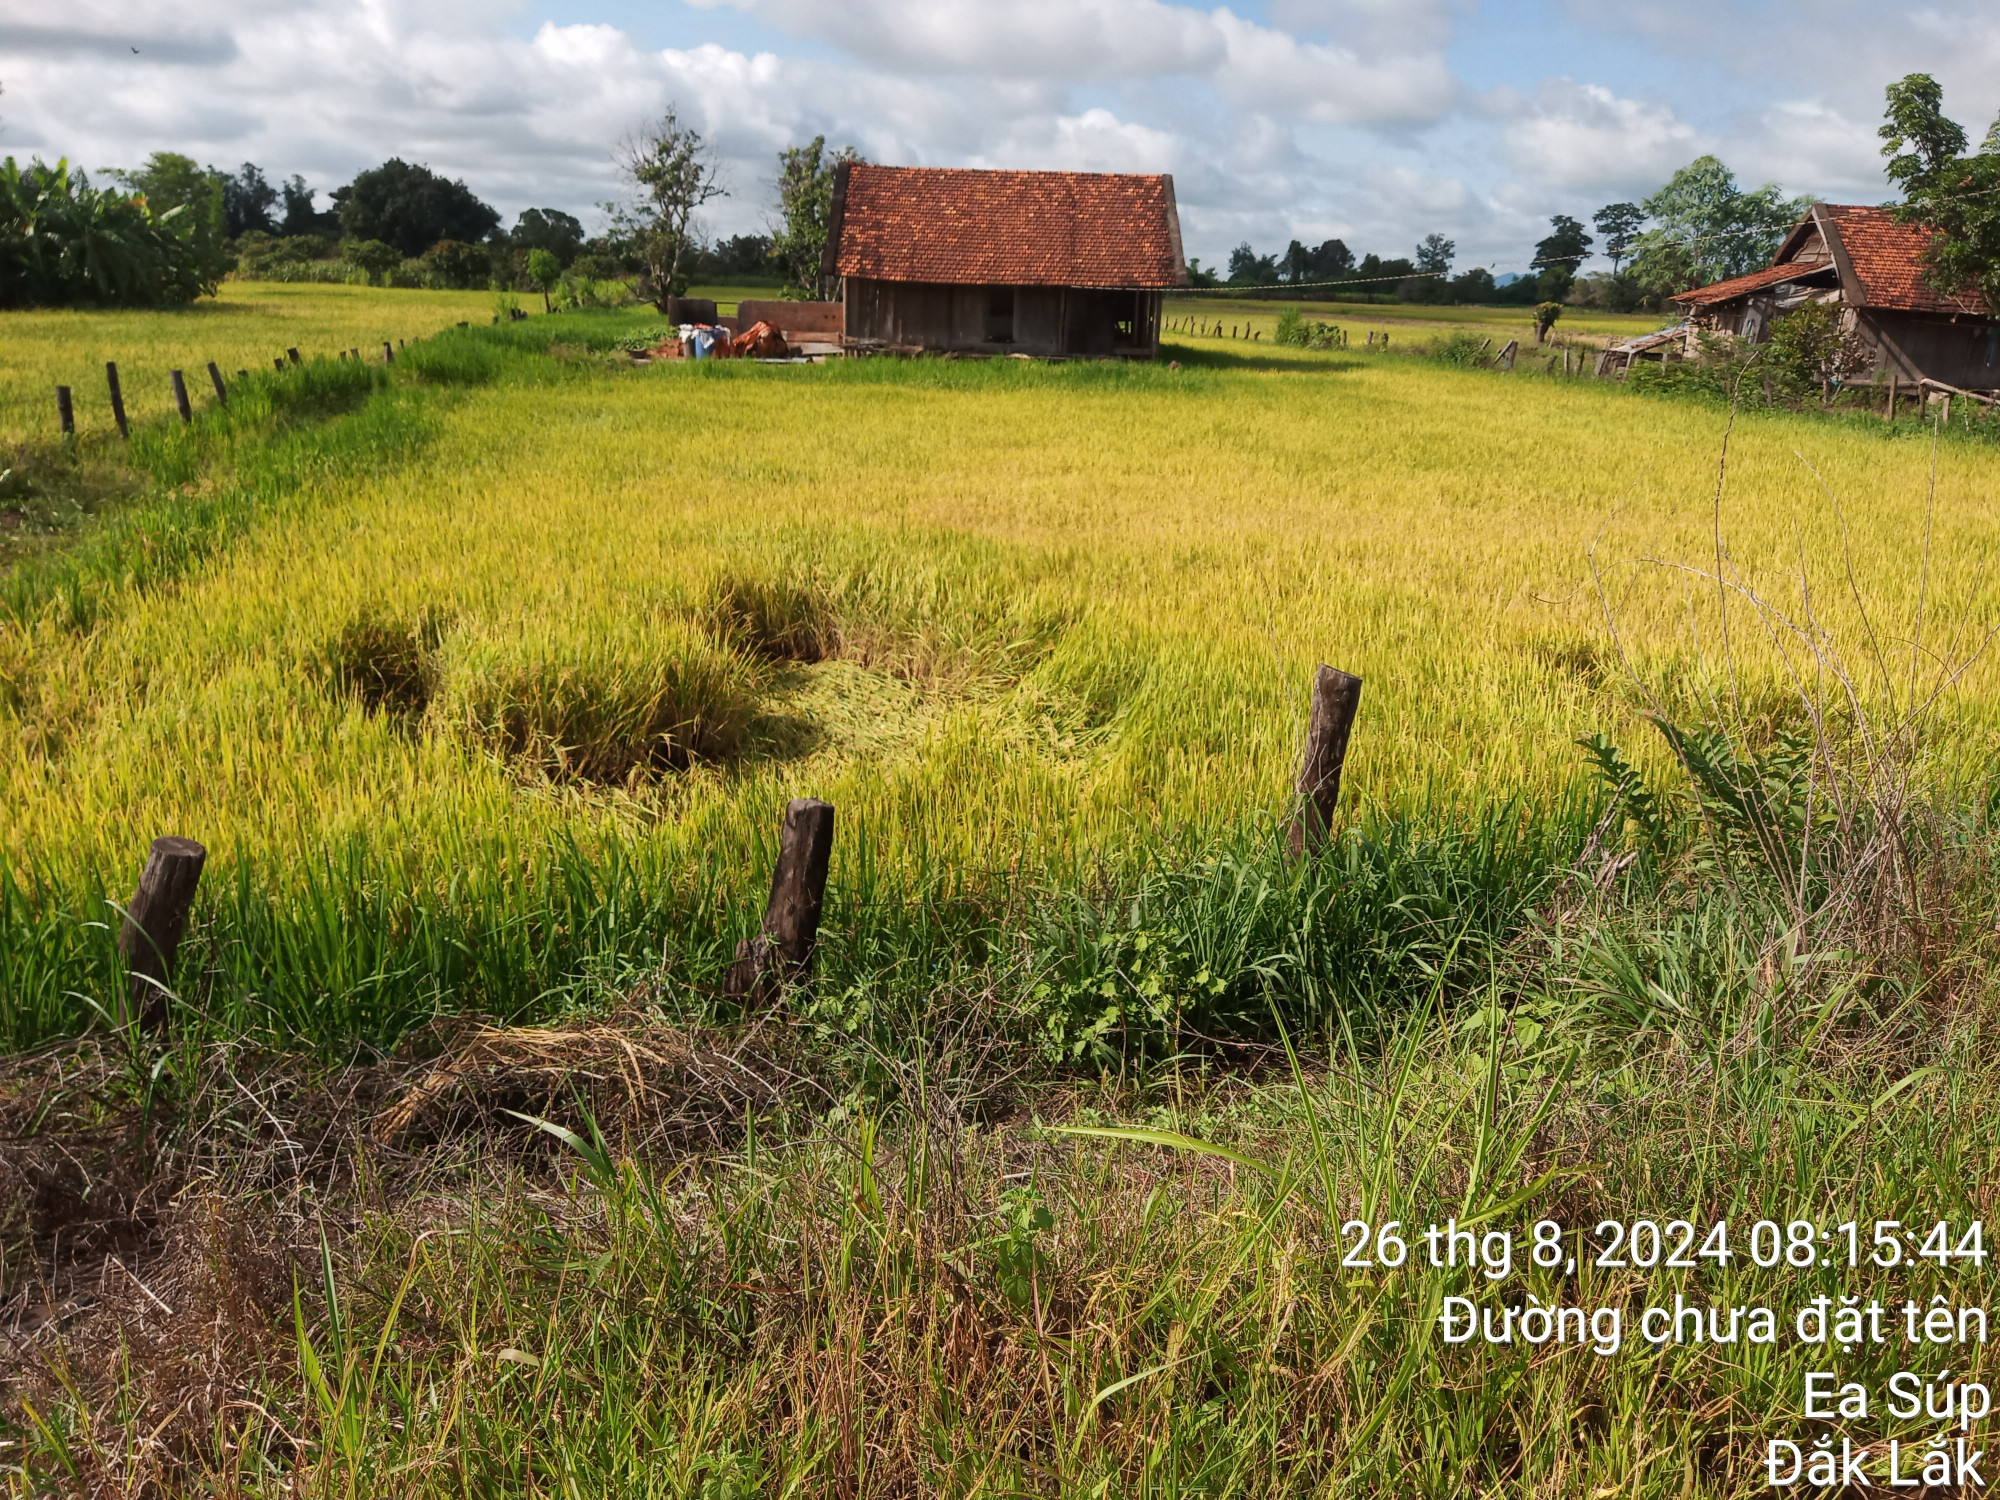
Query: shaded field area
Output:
(1662,891)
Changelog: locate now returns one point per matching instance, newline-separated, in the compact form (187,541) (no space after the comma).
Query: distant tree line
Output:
(1698,228)
(169,231)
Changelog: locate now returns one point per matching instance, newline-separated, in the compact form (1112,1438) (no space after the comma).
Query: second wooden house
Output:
(1867,266)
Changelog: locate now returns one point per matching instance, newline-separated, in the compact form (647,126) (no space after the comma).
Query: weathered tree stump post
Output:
(117,399)
(215,379)
(180,396)
(155,921)
(1336,697)
(388,354)
(65,412)
(782,953)
(278,364)
(293,356)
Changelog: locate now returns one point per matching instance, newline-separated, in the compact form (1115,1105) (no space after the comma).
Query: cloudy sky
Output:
(1374,120)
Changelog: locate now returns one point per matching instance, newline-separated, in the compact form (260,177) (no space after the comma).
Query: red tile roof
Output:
(1888,258)
(943,224)
(1886,254)
(1738,286)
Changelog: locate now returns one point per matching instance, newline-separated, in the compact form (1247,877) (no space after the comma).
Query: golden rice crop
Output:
(1065,611)
(603,703)
(245,325)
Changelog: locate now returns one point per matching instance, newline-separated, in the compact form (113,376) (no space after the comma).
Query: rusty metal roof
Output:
(1006,228)
(1742,286)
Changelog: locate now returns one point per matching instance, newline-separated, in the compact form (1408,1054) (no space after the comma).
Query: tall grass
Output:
(853,1285)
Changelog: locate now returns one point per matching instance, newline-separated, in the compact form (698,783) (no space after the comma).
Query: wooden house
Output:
(988,262)
(1868,266)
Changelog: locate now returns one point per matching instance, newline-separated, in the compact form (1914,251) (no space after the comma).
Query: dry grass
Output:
(736,1274)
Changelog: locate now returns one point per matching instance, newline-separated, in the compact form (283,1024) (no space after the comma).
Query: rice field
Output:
(244,326)
(485,679)
(1414,322)
(1058,618)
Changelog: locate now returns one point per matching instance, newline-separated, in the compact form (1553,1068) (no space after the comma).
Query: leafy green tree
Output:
(247,201)
(455,263)
(1546,314)
(1620,224)
(1559,254)
(1707,229)
(672,173)
(1810,353)
(1248,268)
(1330,261)
(65,243)
(1295,265)
(374,258)
(300,215)
(805,209)
(1469,287)
(186,199)
(544,270)
(738,256)
(548,229)
(411,207)
(1954,195)
(1427,281)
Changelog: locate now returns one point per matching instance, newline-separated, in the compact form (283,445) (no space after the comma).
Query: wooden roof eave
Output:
(1853,291)
(1174,229)
(836,221)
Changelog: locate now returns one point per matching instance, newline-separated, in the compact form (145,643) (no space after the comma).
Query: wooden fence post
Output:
(65,412)
(1336,697)
(155,921)
(215,378)
(117,399)
(180,396)
(277,364)
(388,354)
(782,953)
(293,356)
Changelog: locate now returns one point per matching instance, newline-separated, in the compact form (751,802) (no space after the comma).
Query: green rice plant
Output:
(784,619)
(1462,347)
(598,705)
(1296,331)
(389,664)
